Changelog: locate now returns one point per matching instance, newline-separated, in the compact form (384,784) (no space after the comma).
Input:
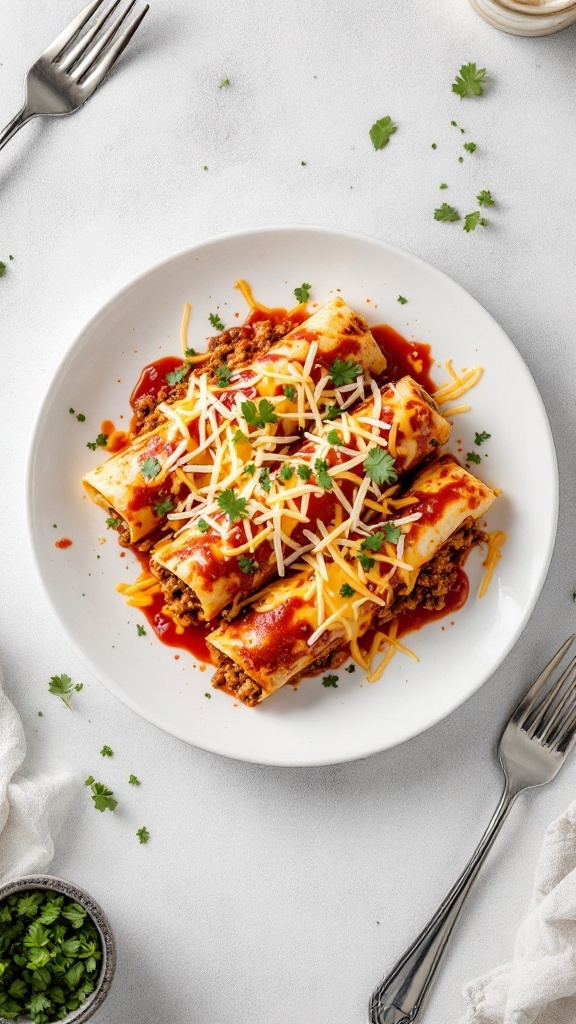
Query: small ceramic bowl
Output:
(527,19)
(27,883)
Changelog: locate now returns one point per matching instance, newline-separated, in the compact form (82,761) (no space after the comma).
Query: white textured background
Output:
(269,896)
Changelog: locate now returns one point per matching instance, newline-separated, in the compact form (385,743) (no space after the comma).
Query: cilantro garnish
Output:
(232,505)
(304,472)
(202,525)
(102,796)
(434,146)
(332,412)
(333,438)
(208,695)
(480,438)
(140,631)
(446,213)
(264,479)
(190,352)
(3,269)
(224,83)
(81,417)
(100,442)
(134,780)
(392,533)
(150,468)
(223,374)
(247,565)
(472,221)
(350,668)
(161,508)
(379,467)
(290,392)
(469,82)
(443,184)
(346,590)
(303,292)
(381,131)
(402,300)
(344,371)
(178,374)
(470,147)
(322,475)
(63,687)
(365,561)
(258,417)
(112,523)
(286,472)
(216,322)
(239,436)
(374,542)
(473,457)
(143,834)
(330,680)
(484,198)
(107,751)
(250,469)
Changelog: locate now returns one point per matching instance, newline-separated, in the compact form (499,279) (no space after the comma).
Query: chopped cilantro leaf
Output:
(287,471)
(250,469)
(178,374)
(223,374)
(233,506)
(392,533)
(258,417)
(80,417)
(344,371)
(446,213)
(100,442)
(202,525)
(112,523)
(346,590)
(134,780)
(72,411)
(239,436)
(247,565)
(161,508)
(374,542)
(332,412)
(304,472)
(434,146)
(443,184)
(101,795)
(365,561)
(350,668)
(469,82)
(333,438)
(3,269)
(470,147)
(472,220)
(140,630)
(402,300)
(107,751)
(190,352)
(484,198)
(216,322)
(290,392)
(480,438)
(381,131)
(143,834)
(473,457)
(379,467)
(460,159)
(224,83)
(61,686)
(208,695)
(150,468)
(330,680)
(322,475)
(303,292)
(264,479)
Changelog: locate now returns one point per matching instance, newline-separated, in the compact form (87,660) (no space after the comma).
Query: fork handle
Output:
(400,998)
(15,125)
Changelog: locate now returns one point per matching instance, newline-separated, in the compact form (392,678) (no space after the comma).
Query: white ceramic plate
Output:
(312,725)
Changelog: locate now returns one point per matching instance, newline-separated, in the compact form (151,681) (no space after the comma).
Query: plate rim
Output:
(105,677)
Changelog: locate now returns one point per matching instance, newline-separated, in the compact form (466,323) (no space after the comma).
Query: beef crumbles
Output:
(180,601)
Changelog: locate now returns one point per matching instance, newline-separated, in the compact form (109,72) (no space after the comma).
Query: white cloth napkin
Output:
(540,982)
(32,810)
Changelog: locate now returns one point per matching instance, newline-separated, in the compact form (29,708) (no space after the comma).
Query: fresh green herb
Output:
(208,695)
(247,565)
(264,479)
(434,146)
(332,413)
(303,292)
(250,469)
(81,417)
(470,147)
(446,213)
(480,438)
(381,131)
(333,438)
(443,184)
(472,221)
(303,163)
(287,471)
(150,468)
(351,668)
(10,257)
(330,680)
(379,467)
(112,523)
(239,436)
(223,374)
(460,159)
(143,835)
(344,371)
(304,472)
(101,795)
(374,542)
(40,714)
(202,525)
(392,533)
(485,198)
(470,81)
(205,168)
(50,953)
(290,392)
(140,631)
(233,506)
(453,123)
(3,269)
(178,374)
(134,780)
(72,411)
(190,352)
(224,83)
(346,590)
(258,417)
(216,322)
(107,751)
(473,457)
(322,476)
(62,686)
(161,508)
(100,442)
(402,300)
(365,561)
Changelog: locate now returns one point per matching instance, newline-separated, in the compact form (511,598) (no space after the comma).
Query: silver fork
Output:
(75,64)
(532,749)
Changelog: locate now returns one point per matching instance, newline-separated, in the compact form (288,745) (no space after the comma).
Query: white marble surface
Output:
(268,896)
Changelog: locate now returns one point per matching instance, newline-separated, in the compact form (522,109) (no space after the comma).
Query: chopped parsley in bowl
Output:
(57,952)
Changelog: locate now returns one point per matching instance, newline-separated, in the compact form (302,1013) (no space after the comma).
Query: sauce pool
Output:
(403,357)
(64,542)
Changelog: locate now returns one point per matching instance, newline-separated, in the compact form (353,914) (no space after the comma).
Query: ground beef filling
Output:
(435,581)
(180,601)
(236,347)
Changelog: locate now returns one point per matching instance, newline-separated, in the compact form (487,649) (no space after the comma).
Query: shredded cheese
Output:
(496,542)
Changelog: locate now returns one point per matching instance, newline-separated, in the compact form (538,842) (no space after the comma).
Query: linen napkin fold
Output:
(32,810)
(539,984)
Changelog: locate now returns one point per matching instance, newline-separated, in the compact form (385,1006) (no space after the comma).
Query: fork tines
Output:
(89,47)
(548,711)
